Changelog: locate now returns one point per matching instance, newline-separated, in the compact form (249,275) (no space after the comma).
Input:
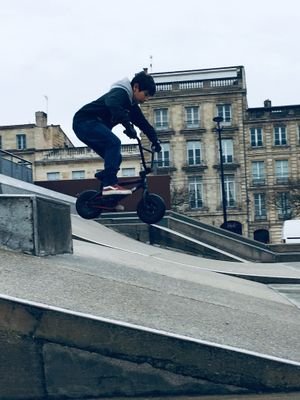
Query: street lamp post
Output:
(219,129)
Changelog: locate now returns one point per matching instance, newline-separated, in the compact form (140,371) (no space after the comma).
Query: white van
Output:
(291,231)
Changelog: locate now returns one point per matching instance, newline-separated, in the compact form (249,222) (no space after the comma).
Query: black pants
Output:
(104,142)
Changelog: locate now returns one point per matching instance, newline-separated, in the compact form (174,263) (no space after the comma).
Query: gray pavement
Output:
(128,281)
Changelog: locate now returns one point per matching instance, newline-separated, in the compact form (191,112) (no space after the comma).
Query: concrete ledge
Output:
(76,355)
(194,237)
(173,239)
(35,225)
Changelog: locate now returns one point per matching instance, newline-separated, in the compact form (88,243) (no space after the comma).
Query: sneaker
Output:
(115,190)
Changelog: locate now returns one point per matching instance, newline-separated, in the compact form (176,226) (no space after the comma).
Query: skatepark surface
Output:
(211,317)
(124,280)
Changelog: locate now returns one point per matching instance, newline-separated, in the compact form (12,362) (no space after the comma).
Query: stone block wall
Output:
(35,225)
(49,353)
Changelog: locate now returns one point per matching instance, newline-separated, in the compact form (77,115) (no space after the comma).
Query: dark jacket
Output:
(117,107)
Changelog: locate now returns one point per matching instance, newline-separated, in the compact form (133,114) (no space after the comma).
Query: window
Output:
(298,134)
(163,158)
(260,211)
(53,176)
(128,171)
(229,184)
(227,151)
(0,142)
(78,174)
(21,142)
(281,171)
(224,111)
(280,136)
(194,153)
(258,172)
(256,137)
(192,117)
(161,119)
(283,205)
(195,192)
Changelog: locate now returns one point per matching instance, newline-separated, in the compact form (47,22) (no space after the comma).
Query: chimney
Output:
(267,104)
(41,119)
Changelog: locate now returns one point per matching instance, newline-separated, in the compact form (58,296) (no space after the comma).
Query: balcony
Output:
(262,217)
(282,180)
(284,215)
(227,166)
(191,133)
(197,85)
(192,168)
(80,153)
(164,132)
(258,182)
(164,167)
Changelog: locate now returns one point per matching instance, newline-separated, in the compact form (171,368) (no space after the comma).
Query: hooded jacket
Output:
(117,107)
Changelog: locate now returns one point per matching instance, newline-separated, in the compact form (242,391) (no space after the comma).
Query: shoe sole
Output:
(115,193)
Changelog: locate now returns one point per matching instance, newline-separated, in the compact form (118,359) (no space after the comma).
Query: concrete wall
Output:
(35,225)
(49,353)
(194,237)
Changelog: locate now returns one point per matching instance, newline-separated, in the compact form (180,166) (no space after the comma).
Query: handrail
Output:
(15,156)
(15,166)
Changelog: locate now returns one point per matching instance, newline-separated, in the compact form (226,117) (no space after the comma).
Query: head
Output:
(143,87)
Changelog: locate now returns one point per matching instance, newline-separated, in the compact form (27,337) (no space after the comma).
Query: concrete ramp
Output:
(9,185)
(122,318)
(180,232)
(130,320)
(93,232)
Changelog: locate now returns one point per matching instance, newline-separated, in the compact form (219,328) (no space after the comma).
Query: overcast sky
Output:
(71,51)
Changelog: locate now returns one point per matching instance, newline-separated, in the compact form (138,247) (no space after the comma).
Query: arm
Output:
(138,119)
(118,103)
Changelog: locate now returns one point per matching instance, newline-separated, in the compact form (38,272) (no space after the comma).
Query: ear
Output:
(136,87)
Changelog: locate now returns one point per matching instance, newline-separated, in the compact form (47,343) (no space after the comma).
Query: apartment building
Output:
(260,148)
(182,112)
(272,136)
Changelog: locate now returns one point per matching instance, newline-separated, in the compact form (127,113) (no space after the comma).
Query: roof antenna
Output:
(47,101)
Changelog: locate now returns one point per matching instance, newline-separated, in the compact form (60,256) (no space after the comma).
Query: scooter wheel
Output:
(85,205)
(151,209)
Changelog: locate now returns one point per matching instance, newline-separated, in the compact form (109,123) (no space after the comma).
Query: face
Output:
(140,96)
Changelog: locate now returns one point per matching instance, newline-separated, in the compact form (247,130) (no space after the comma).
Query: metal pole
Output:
(219,130)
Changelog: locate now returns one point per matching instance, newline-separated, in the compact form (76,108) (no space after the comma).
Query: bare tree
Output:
(180,199)
(287,199)
(294,196)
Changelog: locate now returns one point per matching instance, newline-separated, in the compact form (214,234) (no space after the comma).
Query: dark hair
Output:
(145,82)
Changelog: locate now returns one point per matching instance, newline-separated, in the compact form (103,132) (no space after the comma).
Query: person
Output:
(93,125)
